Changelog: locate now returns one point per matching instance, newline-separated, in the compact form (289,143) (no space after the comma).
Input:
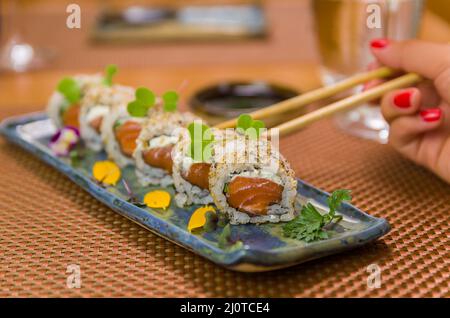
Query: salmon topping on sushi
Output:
(71,116)
(159,157)
(96,123)
(198,174)
(126,135)
(253,195)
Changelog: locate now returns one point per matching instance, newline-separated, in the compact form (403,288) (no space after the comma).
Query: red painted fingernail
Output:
(379,43)
(403,99)
(431,115)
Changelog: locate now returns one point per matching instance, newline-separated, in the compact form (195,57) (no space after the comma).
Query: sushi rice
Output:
(118,113)
(160,130)
(255,159)
(98,102)
(188,193)
(58,102)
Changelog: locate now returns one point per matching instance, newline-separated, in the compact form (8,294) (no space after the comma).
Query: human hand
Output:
(419,117)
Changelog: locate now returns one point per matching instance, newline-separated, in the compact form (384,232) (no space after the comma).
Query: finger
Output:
(427,90)
(405,129)
(401,102)
(428,94)
(431,60)
(426,58)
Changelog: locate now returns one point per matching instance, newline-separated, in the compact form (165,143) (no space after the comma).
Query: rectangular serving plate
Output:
(263,246)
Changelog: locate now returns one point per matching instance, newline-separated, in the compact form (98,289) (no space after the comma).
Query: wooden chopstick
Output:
(347,103)
(313,96)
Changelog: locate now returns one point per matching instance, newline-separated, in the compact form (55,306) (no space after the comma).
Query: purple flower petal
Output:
(60,145)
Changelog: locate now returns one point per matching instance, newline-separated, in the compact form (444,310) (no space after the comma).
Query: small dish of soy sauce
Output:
(230,99)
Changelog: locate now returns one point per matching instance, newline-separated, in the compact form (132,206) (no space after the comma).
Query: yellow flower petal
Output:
(106,172)
(158,199)
(198,218)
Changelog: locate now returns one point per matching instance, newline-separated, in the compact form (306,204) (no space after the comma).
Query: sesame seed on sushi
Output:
(190,172)
(242,174)
(252,183)
(96,105)
(153,153)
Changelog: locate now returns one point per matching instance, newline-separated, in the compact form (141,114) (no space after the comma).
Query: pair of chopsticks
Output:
(346,104)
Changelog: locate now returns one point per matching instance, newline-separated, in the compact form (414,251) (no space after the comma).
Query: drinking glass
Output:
(16,53)
(344,29)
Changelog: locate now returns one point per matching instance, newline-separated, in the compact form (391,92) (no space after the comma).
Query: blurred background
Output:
(284,35)
(271,44)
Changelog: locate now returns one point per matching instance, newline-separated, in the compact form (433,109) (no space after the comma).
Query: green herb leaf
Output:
(310,213)
(250,127)
(336,199)
(244,121)
(117,124)
(137,109)
(305,227)
(145,96)
(223,220)
(170,99)
(309,225)
(145,99)
(70,89)
(225,240)
(74,158)
(225,237)
(110,71)
(211,221)
(201,141)
(258,124)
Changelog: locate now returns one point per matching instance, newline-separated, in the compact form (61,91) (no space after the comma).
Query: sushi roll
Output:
(153,153)
(191,177)
(252,183)
(64,105)
(96,105)
(119,132)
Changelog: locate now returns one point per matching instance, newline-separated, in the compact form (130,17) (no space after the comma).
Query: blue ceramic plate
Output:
(263,247)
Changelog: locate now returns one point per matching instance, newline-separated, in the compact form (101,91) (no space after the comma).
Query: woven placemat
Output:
(48,223)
